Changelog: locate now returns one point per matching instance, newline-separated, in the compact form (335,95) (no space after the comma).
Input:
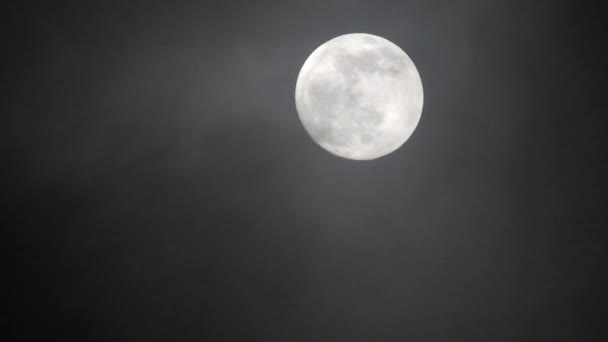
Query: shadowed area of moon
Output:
(359,96)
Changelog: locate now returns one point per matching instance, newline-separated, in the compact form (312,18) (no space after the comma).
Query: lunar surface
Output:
(359,96)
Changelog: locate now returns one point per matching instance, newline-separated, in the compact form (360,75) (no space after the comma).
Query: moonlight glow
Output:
(359,96)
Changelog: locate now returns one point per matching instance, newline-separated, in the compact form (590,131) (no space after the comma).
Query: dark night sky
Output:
(160,187)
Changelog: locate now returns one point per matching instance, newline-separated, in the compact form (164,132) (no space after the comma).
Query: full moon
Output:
(359,96)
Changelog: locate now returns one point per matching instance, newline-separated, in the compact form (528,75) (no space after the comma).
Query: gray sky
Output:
(162,187)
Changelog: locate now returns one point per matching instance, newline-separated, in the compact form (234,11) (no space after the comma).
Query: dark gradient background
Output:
(160,187)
